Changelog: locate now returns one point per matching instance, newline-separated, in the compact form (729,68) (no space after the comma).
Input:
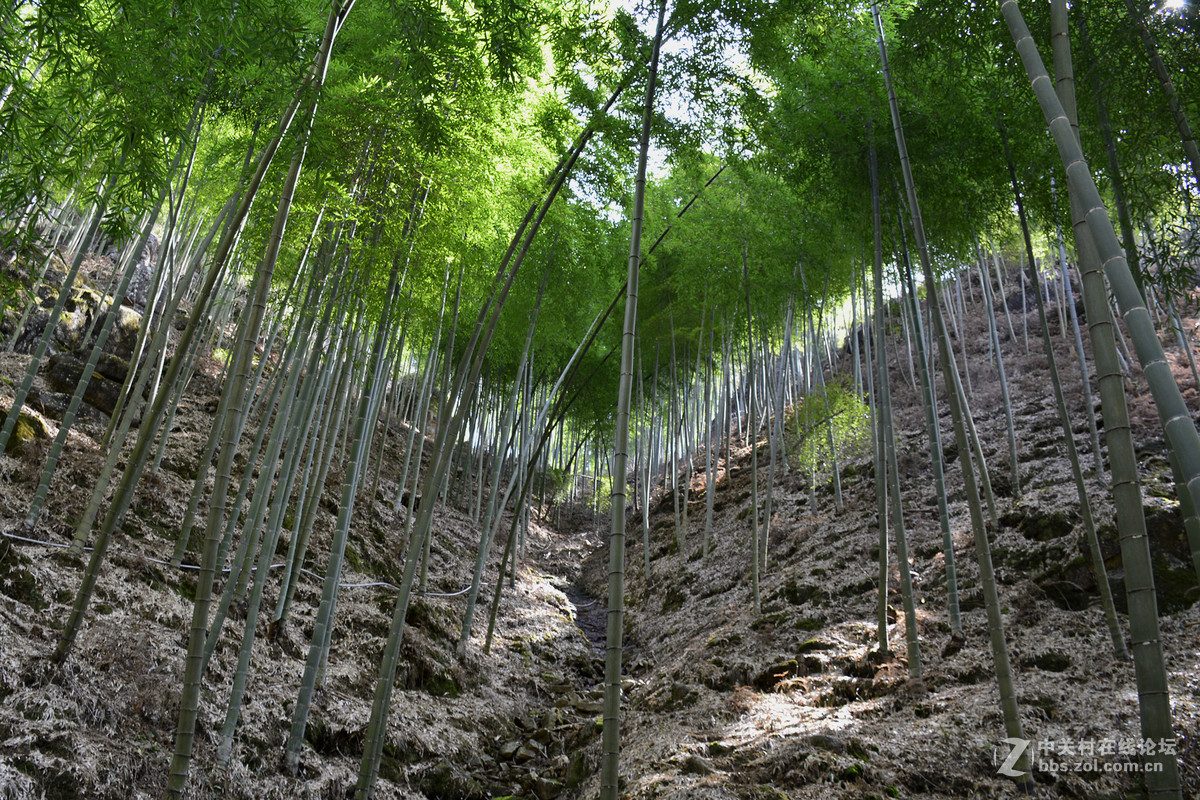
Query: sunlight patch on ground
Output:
(795,708)
(787,714)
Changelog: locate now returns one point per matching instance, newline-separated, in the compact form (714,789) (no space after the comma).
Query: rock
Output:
(697,765)
(1164,527)
(138,293)
(1050,662)
(956,642)
(509,749)
(588,706)
(547,788)
(54,405)
(83,304)
(525,753)
(578,771)
(775,674)
(123,336)
(682,695)
(797,594)
(63,373)
(28,428)
(114,368)
(447,782)
(970,601)
(86,306)
(1064,571)
(50,404)
(1038,524)
(822,741)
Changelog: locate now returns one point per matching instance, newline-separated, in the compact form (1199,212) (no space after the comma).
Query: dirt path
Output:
(590,615)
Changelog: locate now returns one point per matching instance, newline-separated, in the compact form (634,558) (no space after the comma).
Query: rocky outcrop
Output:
(86,311)
(138,293)
(102,392)
(82,317)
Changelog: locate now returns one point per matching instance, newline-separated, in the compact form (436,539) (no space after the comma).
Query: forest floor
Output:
(720,701)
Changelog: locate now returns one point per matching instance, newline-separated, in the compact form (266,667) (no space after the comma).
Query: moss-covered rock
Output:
(578,770)
(29,428)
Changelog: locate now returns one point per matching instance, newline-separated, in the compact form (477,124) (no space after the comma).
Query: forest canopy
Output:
(532,232)
(460,111)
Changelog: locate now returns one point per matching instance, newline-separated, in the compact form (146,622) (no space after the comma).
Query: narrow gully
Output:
(590,615)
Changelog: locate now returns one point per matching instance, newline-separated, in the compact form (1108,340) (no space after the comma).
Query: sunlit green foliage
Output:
(439,124)
(809,419)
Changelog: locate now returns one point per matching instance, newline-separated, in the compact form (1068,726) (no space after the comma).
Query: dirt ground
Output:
(721,700)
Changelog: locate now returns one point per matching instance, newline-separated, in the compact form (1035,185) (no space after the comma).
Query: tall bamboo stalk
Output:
(1085,508)
(990,304)
(936,457)
(611,735)
(64,294)
(752,432)
(1099,246)
(1008,697)
(1178,115)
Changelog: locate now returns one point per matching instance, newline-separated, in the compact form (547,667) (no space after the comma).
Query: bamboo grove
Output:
(421,224)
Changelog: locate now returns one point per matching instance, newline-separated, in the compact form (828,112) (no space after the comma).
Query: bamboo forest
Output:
(651,399)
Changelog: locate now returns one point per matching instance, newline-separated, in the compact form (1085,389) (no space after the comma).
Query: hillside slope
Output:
(720,702)
(103,727)
(792,702)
